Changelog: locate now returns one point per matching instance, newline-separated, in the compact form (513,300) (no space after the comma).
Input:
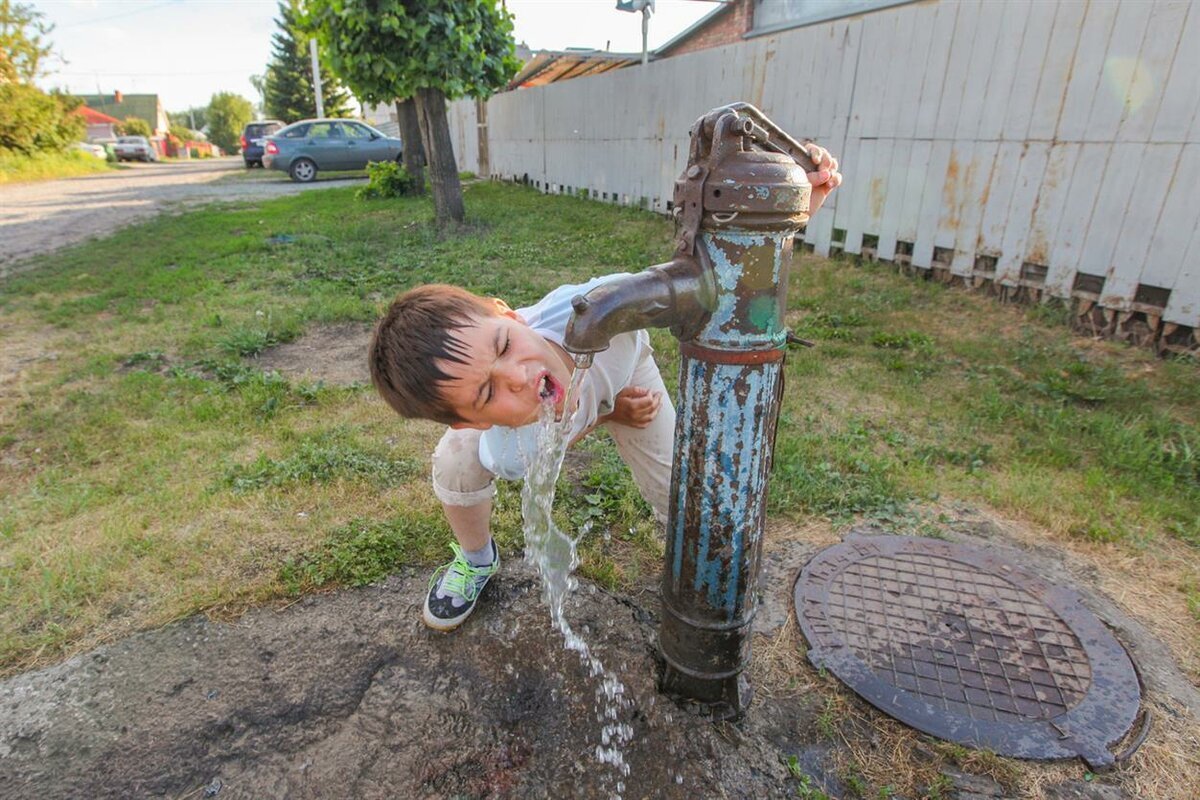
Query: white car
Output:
(134,148)
(91,149)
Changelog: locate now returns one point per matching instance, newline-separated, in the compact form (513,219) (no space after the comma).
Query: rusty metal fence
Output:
(1045,148)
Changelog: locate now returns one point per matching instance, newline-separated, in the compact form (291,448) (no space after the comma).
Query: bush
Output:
(135,126)
(386,179)
(33,121)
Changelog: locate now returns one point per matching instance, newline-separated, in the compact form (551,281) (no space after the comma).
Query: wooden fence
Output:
(1047,147)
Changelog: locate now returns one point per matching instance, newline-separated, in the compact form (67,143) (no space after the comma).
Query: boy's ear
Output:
(505,310)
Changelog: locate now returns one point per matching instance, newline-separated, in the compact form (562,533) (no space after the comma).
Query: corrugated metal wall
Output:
(1053,145)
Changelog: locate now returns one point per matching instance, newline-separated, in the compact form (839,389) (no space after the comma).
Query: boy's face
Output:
(510,371)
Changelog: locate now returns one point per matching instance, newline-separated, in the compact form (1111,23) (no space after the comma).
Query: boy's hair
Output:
(414,335)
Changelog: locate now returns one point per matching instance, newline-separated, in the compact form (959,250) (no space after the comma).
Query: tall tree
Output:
(23,48)
(288,88)
(228,114)
(195,117)
(429,50)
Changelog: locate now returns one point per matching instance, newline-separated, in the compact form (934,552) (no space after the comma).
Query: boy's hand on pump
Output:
(635,406)
(824,179)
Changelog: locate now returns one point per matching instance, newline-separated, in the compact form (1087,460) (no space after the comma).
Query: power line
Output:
(121,15)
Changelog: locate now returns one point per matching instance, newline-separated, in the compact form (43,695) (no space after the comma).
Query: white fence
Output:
(1048,144)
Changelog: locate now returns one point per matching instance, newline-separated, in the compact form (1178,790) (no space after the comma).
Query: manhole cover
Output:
(962,645)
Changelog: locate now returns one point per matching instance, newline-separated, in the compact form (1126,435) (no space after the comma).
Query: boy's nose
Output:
(515,376)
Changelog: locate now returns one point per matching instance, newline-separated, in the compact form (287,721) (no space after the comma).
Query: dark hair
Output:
(414,335)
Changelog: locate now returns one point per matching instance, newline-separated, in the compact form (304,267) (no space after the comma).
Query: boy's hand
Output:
(635,406)
(825,179)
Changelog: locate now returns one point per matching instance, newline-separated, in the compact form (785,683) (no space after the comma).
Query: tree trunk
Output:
(410,135)
(443,171)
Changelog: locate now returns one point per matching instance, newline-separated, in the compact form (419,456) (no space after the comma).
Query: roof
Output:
(549,66)
(94,117)
(142,106)
(694,28)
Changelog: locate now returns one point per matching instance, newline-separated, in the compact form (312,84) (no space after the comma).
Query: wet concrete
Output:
(349,695)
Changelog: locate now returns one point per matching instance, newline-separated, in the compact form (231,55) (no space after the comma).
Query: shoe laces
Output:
(461,576)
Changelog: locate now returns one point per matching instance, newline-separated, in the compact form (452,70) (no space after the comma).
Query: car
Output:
(131,148)
(91,149)
(304,148)
(253,137)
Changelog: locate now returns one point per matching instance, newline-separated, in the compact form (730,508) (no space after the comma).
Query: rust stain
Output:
(950,192)
(878,195)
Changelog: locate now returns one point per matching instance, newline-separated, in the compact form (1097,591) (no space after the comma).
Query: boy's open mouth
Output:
(548,389)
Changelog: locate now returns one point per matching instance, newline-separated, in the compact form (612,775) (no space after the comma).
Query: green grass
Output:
(152,470)
(18,168)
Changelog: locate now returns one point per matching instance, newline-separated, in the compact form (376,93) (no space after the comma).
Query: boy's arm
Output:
(634,406)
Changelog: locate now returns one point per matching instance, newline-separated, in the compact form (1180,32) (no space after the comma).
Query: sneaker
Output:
(454,588)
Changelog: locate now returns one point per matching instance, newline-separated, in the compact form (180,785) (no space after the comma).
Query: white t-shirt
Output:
(501,448)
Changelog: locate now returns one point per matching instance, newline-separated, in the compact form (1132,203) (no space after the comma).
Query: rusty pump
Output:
(739,204)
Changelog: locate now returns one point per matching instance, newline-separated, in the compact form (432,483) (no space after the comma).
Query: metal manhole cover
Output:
(965,646)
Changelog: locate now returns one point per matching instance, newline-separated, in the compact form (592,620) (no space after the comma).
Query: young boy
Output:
(483,369)
(444,354)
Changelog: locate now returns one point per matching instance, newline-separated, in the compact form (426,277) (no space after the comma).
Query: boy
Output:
(483,369)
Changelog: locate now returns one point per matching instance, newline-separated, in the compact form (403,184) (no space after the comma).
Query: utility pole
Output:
(312,48)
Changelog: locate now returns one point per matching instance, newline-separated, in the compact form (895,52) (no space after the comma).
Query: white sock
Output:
(483,557)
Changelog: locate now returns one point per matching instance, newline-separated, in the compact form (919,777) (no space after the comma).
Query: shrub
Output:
(32,120)
(135,126)
(386,179)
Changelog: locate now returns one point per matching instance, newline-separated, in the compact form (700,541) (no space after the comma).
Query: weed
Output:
(942,788)
(363,551)
(804,788)
(321,459)
(908,340)
(827,720)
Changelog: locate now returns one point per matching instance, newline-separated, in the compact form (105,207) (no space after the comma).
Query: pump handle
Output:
(761,129)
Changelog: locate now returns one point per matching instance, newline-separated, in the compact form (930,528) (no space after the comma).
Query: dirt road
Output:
(36,218)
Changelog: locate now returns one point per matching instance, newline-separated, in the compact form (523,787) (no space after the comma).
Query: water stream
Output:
(553,552)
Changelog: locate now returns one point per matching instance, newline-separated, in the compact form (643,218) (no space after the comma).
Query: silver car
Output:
(129,148)
(304,148)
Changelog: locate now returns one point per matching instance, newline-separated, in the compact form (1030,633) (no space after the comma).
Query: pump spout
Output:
(678,295)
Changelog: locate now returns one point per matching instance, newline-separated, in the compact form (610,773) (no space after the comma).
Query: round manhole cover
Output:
(965,646)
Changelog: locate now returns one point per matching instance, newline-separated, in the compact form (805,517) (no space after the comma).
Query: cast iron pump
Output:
(739,204)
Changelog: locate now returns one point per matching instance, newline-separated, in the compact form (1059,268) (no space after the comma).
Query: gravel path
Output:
(36,218)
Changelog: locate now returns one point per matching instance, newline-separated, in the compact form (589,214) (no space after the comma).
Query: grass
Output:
(19,168)
(152,470)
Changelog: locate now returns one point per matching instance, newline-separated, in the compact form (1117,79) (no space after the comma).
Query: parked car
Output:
(253,137)
(304,148)
(131,148)
(91,149)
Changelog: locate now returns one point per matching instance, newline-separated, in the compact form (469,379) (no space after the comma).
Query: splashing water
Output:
(554,553)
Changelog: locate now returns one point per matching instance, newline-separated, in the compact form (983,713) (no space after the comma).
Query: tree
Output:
(288,88)
(195,118)
(32,121)
(22,46)
(135,126)
(429,50)
(228,114)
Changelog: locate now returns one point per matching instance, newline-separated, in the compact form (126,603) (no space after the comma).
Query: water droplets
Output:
(554,553)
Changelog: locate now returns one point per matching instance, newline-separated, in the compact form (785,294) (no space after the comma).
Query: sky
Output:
(187,50)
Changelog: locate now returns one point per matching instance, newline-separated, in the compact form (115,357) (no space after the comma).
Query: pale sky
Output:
(187,50)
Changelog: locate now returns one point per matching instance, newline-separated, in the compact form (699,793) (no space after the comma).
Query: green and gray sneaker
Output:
(455,587)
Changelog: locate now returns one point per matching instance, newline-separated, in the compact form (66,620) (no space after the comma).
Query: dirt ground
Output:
(347,694)
(37,218)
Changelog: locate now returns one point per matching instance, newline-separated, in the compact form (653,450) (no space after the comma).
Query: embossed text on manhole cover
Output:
(963,645)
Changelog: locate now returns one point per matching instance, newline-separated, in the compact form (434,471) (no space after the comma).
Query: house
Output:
(100,127)
(735,20)
(146,107)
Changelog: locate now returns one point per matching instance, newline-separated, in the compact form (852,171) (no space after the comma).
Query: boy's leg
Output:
(649,451)
(466,490)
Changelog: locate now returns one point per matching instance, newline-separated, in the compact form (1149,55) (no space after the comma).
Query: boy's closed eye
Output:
(491,384)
